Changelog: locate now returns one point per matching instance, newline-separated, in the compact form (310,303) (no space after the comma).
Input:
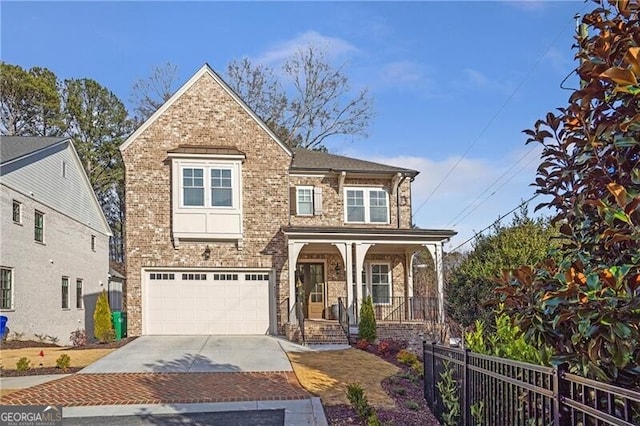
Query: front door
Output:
(311,275)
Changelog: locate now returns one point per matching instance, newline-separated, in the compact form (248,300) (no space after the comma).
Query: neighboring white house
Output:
(54,249)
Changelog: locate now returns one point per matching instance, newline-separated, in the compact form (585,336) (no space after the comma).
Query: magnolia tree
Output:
(586,306)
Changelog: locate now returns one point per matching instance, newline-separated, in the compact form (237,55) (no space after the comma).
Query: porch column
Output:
(360,253)
(409,256)
(345,252)
(436,253)
(294,249)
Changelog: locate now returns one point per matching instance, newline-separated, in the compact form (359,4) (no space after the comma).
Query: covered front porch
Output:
(337,268)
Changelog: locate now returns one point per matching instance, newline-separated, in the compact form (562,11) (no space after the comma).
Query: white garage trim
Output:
(207,301)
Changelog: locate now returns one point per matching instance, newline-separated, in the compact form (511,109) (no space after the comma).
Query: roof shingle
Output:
(13,147)
(304,159)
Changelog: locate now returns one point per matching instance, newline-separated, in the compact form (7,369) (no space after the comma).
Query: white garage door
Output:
(206,302)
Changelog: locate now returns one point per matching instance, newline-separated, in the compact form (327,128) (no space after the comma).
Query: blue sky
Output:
(454,83)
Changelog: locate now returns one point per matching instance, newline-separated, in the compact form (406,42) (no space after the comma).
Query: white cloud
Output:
(478,80)
(404,75)
(283,50)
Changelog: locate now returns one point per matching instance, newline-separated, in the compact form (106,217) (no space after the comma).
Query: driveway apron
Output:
(195,354)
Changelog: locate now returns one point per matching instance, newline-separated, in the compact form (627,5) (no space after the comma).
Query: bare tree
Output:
(318,105)
(148,94)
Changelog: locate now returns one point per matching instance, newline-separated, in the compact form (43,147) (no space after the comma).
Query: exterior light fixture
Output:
(206,254)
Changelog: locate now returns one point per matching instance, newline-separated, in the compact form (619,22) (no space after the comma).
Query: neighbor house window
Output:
(65,292)
(39,227)
(93,242)
(79,304)
(366,205)
(304,199)
(221,188)
(64,169)
(6,288)
(193,187)
(17,211)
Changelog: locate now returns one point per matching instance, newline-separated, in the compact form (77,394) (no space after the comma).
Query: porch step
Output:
(319,332)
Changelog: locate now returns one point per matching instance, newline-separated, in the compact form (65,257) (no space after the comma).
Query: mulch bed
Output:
(405,389)
(39,371)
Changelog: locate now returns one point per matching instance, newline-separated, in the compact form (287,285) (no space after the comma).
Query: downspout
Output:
(398,200)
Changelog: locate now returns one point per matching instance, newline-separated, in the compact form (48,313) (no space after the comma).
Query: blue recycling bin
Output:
(3,326)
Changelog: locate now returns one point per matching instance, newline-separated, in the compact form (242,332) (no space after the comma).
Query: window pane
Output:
(194,196)
(221,188)
(355,214)
(79,294)
(193,187)
(65,293)
(39,227)
(221,197)
(305,201)
(16,212)
(378,206)
(355,206)
(5,289)
(380,293)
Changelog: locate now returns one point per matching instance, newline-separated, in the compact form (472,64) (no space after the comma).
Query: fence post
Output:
(560,389)
(466,409)
(433,380)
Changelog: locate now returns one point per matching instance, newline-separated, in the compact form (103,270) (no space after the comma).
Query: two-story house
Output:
(54,250)
(229,231)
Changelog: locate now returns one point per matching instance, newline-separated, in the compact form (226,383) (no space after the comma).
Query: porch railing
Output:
(343,317)
(400,309)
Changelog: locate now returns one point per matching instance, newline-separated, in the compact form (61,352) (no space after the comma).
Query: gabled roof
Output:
(14,147)
(206,69)
(206,150)
(307,160)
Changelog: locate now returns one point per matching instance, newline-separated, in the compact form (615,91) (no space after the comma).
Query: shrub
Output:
(412,405)
(367,328)
(53,339)
(373,420)
(448,389)
(384,347)
(357,398)
(418,369)
(362,344)
(78,338)
(63,362)
(41,337)
(102,327)
(407,358)
(23,364)
(400,391)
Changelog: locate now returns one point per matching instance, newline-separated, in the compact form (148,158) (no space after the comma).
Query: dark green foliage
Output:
(586,306)
(357,398)
(102,326)
(23,364)
(469,291)
(448,389)
(63,362)
(367,327)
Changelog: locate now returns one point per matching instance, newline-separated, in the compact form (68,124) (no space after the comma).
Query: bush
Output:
(362,344)
(367,328)
(384,347)
(78,338)
(102,326)
(448,389)
(418,369)
(412,405)
(357,398)
(407,358)
(23,364)
(63,362)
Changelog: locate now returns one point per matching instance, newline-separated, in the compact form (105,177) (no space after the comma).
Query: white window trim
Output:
(13,286)
(368,267)
(309,188)
(367,204)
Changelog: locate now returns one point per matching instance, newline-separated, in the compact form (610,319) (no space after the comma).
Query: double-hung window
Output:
(366,205)
(221,188)
(304,200)
(380,283)
(39,227)
(79,304)
(193,187)
(6,288)
(65,292)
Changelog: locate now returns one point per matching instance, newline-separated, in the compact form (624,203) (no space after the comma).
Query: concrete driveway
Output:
(194,354)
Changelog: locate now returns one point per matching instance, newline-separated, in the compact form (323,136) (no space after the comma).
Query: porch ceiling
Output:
(378,236)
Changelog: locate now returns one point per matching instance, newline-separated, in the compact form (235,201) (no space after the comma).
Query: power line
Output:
(453,222)
(499,219)
(492,119)
(496,190)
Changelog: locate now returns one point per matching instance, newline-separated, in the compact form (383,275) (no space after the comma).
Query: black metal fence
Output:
(496,391)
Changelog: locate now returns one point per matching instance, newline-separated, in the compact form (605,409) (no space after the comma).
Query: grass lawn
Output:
(327,373)
(79,358)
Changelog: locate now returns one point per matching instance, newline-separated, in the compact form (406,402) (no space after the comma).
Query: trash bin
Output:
(119,320)
(3,326)
(335,315)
